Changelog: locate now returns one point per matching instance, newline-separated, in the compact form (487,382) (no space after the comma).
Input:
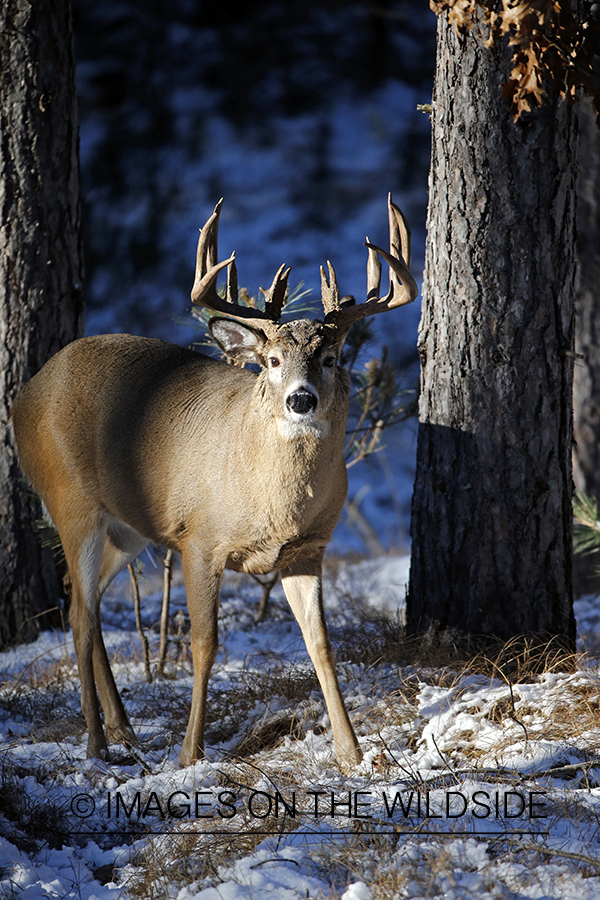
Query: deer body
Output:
(187,448)
(130,440)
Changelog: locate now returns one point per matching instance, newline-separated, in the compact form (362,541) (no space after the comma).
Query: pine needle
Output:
(586,530)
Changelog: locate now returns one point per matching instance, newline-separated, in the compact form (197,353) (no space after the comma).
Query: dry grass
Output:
(28,825)
(192,853)
(516,660)
(45,696)
(165,861)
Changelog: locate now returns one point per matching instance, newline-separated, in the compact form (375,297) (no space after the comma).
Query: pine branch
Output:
(586,530)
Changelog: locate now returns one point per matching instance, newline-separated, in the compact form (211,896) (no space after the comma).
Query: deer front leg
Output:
(302,585)
(202,584)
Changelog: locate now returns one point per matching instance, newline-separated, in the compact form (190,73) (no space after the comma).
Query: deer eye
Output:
(329,361)
(274,361)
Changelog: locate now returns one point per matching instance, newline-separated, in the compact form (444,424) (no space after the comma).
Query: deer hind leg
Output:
(84,560)
(202,584)
(121,547)
(302,585)
(93,562)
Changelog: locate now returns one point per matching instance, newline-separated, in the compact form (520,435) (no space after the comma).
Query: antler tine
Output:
(399,228)
(232,284)
(206,255)
(330,292)
(403,287)
(204,292)
(207,268)
(373,273)
(276,296)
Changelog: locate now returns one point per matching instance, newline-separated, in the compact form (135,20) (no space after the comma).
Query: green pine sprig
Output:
(586,530)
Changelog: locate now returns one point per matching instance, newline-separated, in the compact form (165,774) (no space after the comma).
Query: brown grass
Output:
(28,826)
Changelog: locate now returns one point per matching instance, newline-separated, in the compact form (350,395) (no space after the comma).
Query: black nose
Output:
(301,402)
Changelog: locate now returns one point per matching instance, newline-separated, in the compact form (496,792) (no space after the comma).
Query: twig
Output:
(138,620)
(501,775)
(164,614)
(565,854)
(512,774)
(569,769)
(366,531)
(445,761)
(267,586)
(414,777)
(275,859)
(513,714)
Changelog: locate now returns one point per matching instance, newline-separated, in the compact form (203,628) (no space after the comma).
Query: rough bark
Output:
(40,267)
(491,517)
(586,394)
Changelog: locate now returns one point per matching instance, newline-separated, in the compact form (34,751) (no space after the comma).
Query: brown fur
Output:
(130,440)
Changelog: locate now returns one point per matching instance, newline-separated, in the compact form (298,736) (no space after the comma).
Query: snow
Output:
(469,785)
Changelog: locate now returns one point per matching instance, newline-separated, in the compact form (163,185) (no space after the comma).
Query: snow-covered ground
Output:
(470,785)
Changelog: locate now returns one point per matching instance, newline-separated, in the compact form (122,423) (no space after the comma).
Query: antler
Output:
(276,296)
(204,292)
(403,287)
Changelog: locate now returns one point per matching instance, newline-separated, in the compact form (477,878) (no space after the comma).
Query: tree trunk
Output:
(41,305)
(491,516)
(586,395)
(586,386)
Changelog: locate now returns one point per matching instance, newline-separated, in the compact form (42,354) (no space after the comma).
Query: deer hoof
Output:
(97,749)
(121,734)
(348,759)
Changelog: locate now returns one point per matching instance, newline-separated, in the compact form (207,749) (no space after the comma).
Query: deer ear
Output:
(238,341)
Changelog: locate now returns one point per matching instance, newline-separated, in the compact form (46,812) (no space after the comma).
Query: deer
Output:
(132,440)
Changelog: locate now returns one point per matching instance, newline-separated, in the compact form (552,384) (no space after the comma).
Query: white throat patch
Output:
(291,430)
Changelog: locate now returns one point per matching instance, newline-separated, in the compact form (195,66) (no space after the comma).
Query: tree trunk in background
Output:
(40,264)
(586,387)
(586,397)
(491,517)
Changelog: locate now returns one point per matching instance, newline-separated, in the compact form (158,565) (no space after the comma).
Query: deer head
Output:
(299,358)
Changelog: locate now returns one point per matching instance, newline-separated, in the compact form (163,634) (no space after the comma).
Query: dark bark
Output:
(40,267)
(586,394)
(586,385)
(491,518)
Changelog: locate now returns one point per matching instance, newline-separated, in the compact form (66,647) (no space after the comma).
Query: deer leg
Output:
(84,559)
(119,551)
(302,585)
(202,584)
(118,729)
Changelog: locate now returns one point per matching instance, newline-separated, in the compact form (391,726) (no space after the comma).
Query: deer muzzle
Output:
(302,401)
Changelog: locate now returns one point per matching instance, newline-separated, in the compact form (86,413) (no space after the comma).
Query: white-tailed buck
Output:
(129,440)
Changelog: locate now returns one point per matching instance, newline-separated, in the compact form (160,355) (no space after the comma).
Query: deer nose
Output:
(301,401)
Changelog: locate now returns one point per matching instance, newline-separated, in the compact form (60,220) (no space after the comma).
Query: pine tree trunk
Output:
(491,517)
(586,384)
(586,395)
(40,267)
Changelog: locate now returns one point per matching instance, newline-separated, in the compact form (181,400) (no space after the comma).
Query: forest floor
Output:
(471,785)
